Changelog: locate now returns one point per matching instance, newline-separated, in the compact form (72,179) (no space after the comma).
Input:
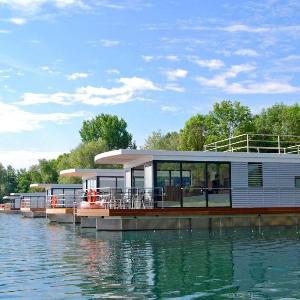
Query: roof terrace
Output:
(259,143)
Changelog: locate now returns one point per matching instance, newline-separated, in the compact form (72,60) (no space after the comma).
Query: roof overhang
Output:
(48,186)
(87,173)
(133,158)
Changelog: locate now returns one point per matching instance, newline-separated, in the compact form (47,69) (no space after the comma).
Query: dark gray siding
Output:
(278,186)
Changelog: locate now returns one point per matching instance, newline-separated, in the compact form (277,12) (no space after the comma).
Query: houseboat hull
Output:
(62,215)
(188,219)
(33,212)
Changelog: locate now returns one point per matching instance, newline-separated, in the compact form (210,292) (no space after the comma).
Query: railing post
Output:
(278,140)
(247,138)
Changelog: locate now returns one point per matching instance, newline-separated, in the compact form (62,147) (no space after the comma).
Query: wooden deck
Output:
(26,209)
(178,212)
(59,211)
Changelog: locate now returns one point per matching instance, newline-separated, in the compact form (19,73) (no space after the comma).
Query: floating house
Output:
(97,184)
(235,183)
(12,203)
(60,200)
(33,205)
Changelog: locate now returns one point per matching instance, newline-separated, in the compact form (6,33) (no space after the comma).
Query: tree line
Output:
(109,132)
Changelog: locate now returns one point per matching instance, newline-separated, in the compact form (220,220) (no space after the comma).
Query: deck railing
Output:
(149,198)
(267,143)
(129,198)
(63,200)
(33,203)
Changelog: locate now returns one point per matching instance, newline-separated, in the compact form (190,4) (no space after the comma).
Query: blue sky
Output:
(155,63)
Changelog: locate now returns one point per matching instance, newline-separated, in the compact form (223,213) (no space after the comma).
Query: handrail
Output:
(285,144)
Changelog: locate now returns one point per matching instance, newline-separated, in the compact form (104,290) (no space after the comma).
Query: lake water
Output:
(44,261)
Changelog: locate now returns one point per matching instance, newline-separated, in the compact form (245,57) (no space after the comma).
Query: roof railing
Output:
(254,142)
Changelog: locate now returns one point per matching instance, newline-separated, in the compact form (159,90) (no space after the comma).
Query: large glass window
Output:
(193,183)
(138,177)
(120,183)
(107,182)
(91,183)
(169,177)
(255,175)
(297,181)
(218,184)
(68,197)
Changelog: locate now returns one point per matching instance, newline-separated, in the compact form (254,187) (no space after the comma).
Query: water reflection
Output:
(42,261)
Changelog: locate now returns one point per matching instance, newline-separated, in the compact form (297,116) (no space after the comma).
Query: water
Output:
(43,261)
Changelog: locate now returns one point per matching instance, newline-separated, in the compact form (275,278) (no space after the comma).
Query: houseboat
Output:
(239,186)
(33,205)
(60,200)
(12,203)
(96,183)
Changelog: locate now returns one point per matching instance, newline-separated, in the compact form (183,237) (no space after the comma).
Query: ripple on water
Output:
(42,261)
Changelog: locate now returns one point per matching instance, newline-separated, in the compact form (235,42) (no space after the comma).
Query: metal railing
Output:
(63,200)
(252,142)
(129,198)
(149,198)
(33,203)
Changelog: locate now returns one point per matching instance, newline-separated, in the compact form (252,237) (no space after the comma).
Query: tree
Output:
(159,141)
(279,119)
(23,181)
(11,180)
(2,181)
(193,134)
(228,119)
(81,157)
(109,128)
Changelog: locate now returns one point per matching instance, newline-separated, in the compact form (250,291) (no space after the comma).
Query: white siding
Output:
(278,186)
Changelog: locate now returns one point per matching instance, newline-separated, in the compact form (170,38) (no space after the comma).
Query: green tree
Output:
(11,180)
(109,128)
(159,141)
(81,157)
(2,182)
(193,134)
(228,119)
(279,119)
(23,181)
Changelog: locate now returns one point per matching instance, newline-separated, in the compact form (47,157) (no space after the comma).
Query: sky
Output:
(154,63)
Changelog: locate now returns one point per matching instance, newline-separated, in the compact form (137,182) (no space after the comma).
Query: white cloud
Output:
(147,58)
(109,43)
(15,120)
(212,64)
(245,28)
(175,88)
(18,21)
(172,57)
(268,87)
(50,70)
(131,87)
(77,75)
(34,5)
(220,80)
(169,108)
(4,31)
(246,52)
(25,158)
(113,71)
(173,75)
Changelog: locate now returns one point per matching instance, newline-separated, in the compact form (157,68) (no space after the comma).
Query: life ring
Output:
(94,196)
(53,201)
(89,196)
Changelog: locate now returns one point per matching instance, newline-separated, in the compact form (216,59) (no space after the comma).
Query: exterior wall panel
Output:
(278,186)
